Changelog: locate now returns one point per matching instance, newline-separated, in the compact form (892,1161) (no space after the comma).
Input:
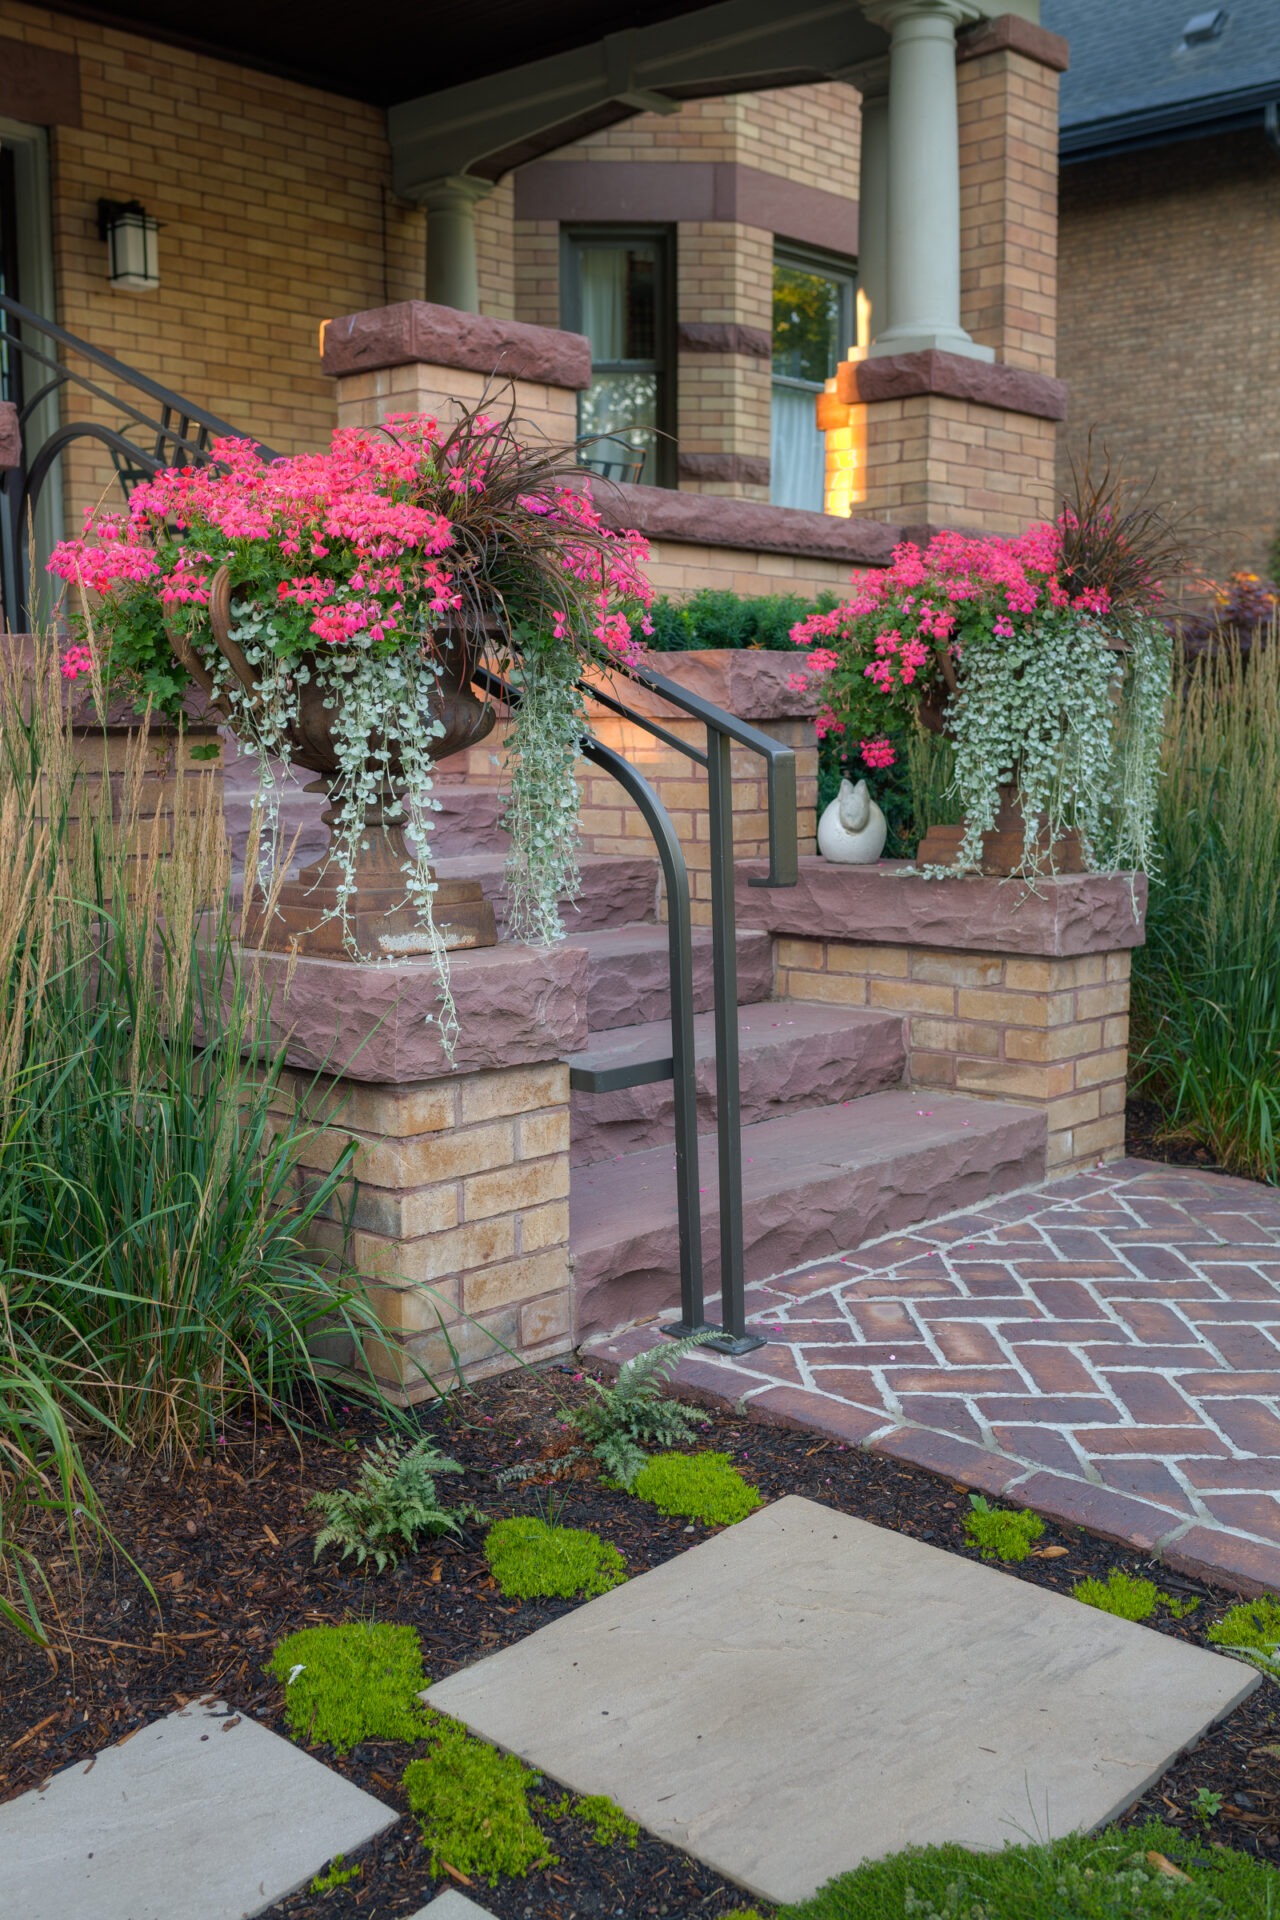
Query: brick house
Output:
(1170,255)
(722,237)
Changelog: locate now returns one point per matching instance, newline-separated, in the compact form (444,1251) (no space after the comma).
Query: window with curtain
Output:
(813,326)
(616,288)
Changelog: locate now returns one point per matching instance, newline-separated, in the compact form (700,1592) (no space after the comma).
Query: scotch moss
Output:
(1115,1875)
(1000,1533)
(697,1486)
(351,1683)
(533,1559)
(1252,1630)
(1129,1598)
(605,1818)
(338,1875)
(472,1805)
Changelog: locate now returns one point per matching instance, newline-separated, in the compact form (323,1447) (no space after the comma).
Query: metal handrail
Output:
(723,731)
(178,431)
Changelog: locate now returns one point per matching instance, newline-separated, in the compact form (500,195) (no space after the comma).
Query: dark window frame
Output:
(836,266)
(575,235)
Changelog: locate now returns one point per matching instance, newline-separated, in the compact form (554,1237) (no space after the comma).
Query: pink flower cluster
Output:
(357,539)
(876,753)
(76,661)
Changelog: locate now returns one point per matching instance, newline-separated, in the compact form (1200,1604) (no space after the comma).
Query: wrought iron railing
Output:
(723,733)
(142,425)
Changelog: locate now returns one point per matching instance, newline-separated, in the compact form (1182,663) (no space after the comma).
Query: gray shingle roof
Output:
(1134,81)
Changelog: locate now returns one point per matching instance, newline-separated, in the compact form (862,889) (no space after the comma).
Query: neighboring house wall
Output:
(1170,288)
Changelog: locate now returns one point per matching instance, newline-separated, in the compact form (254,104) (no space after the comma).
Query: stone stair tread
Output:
(792,1054)
(629,982)
(815,1183)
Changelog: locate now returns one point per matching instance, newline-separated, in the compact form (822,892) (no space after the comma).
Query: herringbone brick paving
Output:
(1105,1348)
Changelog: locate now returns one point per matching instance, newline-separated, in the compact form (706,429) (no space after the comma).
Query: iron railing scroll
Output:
(723,733)
(66,390)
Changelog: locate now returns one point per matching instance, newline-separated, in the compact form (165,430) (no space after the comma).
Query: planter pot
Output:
(380,922)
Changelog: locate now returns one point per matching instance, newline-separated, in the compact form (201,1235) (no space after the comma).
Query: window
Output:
(813,322)
(616,288)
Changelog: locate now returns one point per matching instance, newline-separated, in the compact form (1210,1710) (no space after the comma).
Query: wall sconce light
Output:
(133,248)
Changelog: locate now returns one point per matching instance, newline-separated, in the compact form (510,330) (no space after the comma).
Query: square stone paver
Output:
(200,1816)
(805,1691)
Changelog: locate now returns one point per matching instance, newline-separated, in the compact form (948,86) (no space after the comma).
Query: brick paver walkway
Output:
(1105,1349)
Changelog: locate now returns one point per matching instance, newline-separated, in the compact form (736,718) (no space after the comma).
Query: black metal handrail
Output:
(148,427)
(723,731)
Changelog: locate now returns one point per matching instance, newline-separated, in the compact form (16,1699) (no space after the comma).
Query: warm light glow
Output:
(845,428)
(864,325)
(324,328)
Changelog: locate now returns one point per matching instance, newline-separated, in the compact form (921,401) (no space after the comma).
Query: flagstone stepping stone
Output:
(452,1905)
(805,1691)
(203,1815)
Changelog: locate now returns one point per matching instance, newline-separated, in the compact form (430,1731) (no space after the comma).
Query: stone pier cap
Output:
(517,1006)
(1059,915)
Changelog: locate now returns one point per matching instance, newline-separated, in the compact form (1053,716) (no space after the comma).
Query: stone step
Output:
(618,894)
(629,979)
(792,1054)
(815,1184)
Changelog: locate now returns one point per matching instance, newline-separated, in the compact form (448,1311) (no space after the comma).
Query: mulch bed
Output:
(1145,1139)
(227,1543)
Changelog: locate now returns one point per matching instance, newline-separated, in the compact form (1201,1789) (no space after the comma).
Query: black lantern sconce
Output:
(133,248)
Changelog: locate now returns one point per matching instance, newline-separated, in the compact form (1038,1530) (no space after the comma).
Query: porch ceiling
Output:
(391,51)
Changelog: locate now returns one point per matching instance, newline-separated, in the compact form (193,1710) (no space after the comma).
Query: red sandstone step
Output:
(815,1184)
(792,1054)
(629,982)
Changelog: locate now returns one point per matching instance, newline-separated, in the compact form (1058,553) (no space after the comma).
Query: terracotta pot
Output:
(379,921)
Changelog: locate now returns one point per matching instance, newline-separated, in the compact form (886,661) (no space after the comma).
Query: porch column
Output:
(873,210)
(923,178)
(452,280)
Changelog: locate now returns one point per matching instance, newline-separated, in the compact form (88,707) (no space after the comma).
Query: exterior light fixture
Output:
(132,238)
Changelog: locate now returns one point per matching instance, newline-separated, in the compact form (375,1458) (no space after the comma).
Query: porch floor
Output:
(1104,1348)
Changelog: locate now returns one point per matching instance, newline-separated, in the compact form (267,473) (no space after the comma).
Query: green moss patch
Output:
(1252,1630)
(1150,1872)
(472,1804)
(697,1486)
(351,1683)
(1129,1598)
(533,1559)
(1000,1533)
(605,1818)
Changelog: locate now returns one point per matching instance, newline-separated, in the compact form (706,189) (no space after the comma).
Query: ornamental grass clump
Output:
(1040,655)
(405,557)
(697,1486)
(349,1683)
(533,1559)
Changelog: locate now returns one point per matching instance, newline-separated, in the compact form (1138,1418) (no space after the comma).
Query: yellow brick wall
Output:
(930,458)
(364,399)
(275,210)
(1008,112)
(459,1222)
(1051,1033)
(1170,269)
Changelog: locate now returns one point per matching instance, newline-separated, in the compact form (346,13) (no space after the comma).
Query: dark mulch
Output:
(1145,1138)
(227,1544)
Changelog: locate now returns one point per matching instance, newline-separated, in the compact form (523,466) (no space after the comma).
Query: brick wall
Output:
(931,458)
(1008,112)
(275,211)
(460,1228)
(1049,1032)
(1170,266)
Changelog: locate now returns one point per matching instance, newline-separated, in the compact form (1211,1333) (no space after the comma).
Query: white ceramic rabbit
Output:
(852,828)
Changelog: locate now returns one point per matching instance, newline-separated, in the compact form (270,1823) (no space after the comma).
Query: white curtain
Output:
(604,301)
(797,450)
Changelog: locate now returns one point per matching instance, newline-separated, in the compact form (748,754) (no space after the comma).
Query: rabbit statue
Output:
(852,828)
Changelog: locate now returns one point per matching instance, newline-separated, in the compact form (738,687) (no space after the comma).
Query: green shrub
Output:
(350,1683)
(532,1559)
(715,618)
(1251,1630)
(393,1501)
(1206,985)
(1135,1874)
(606,1820)
(697,1486)
(1001,1534)
(472,1804)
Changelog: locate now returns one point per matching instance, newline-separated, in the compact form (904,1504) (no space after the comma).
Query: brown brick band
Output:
(419,332)
(1009,32)
(750,525)
(738,469)
(39,84)
(954,376)
(713,336)
(687,190)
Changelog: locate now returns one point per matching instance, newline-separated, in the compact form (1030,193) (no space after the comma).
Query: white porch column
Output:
(873,209)
(923,178)
(452,279)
